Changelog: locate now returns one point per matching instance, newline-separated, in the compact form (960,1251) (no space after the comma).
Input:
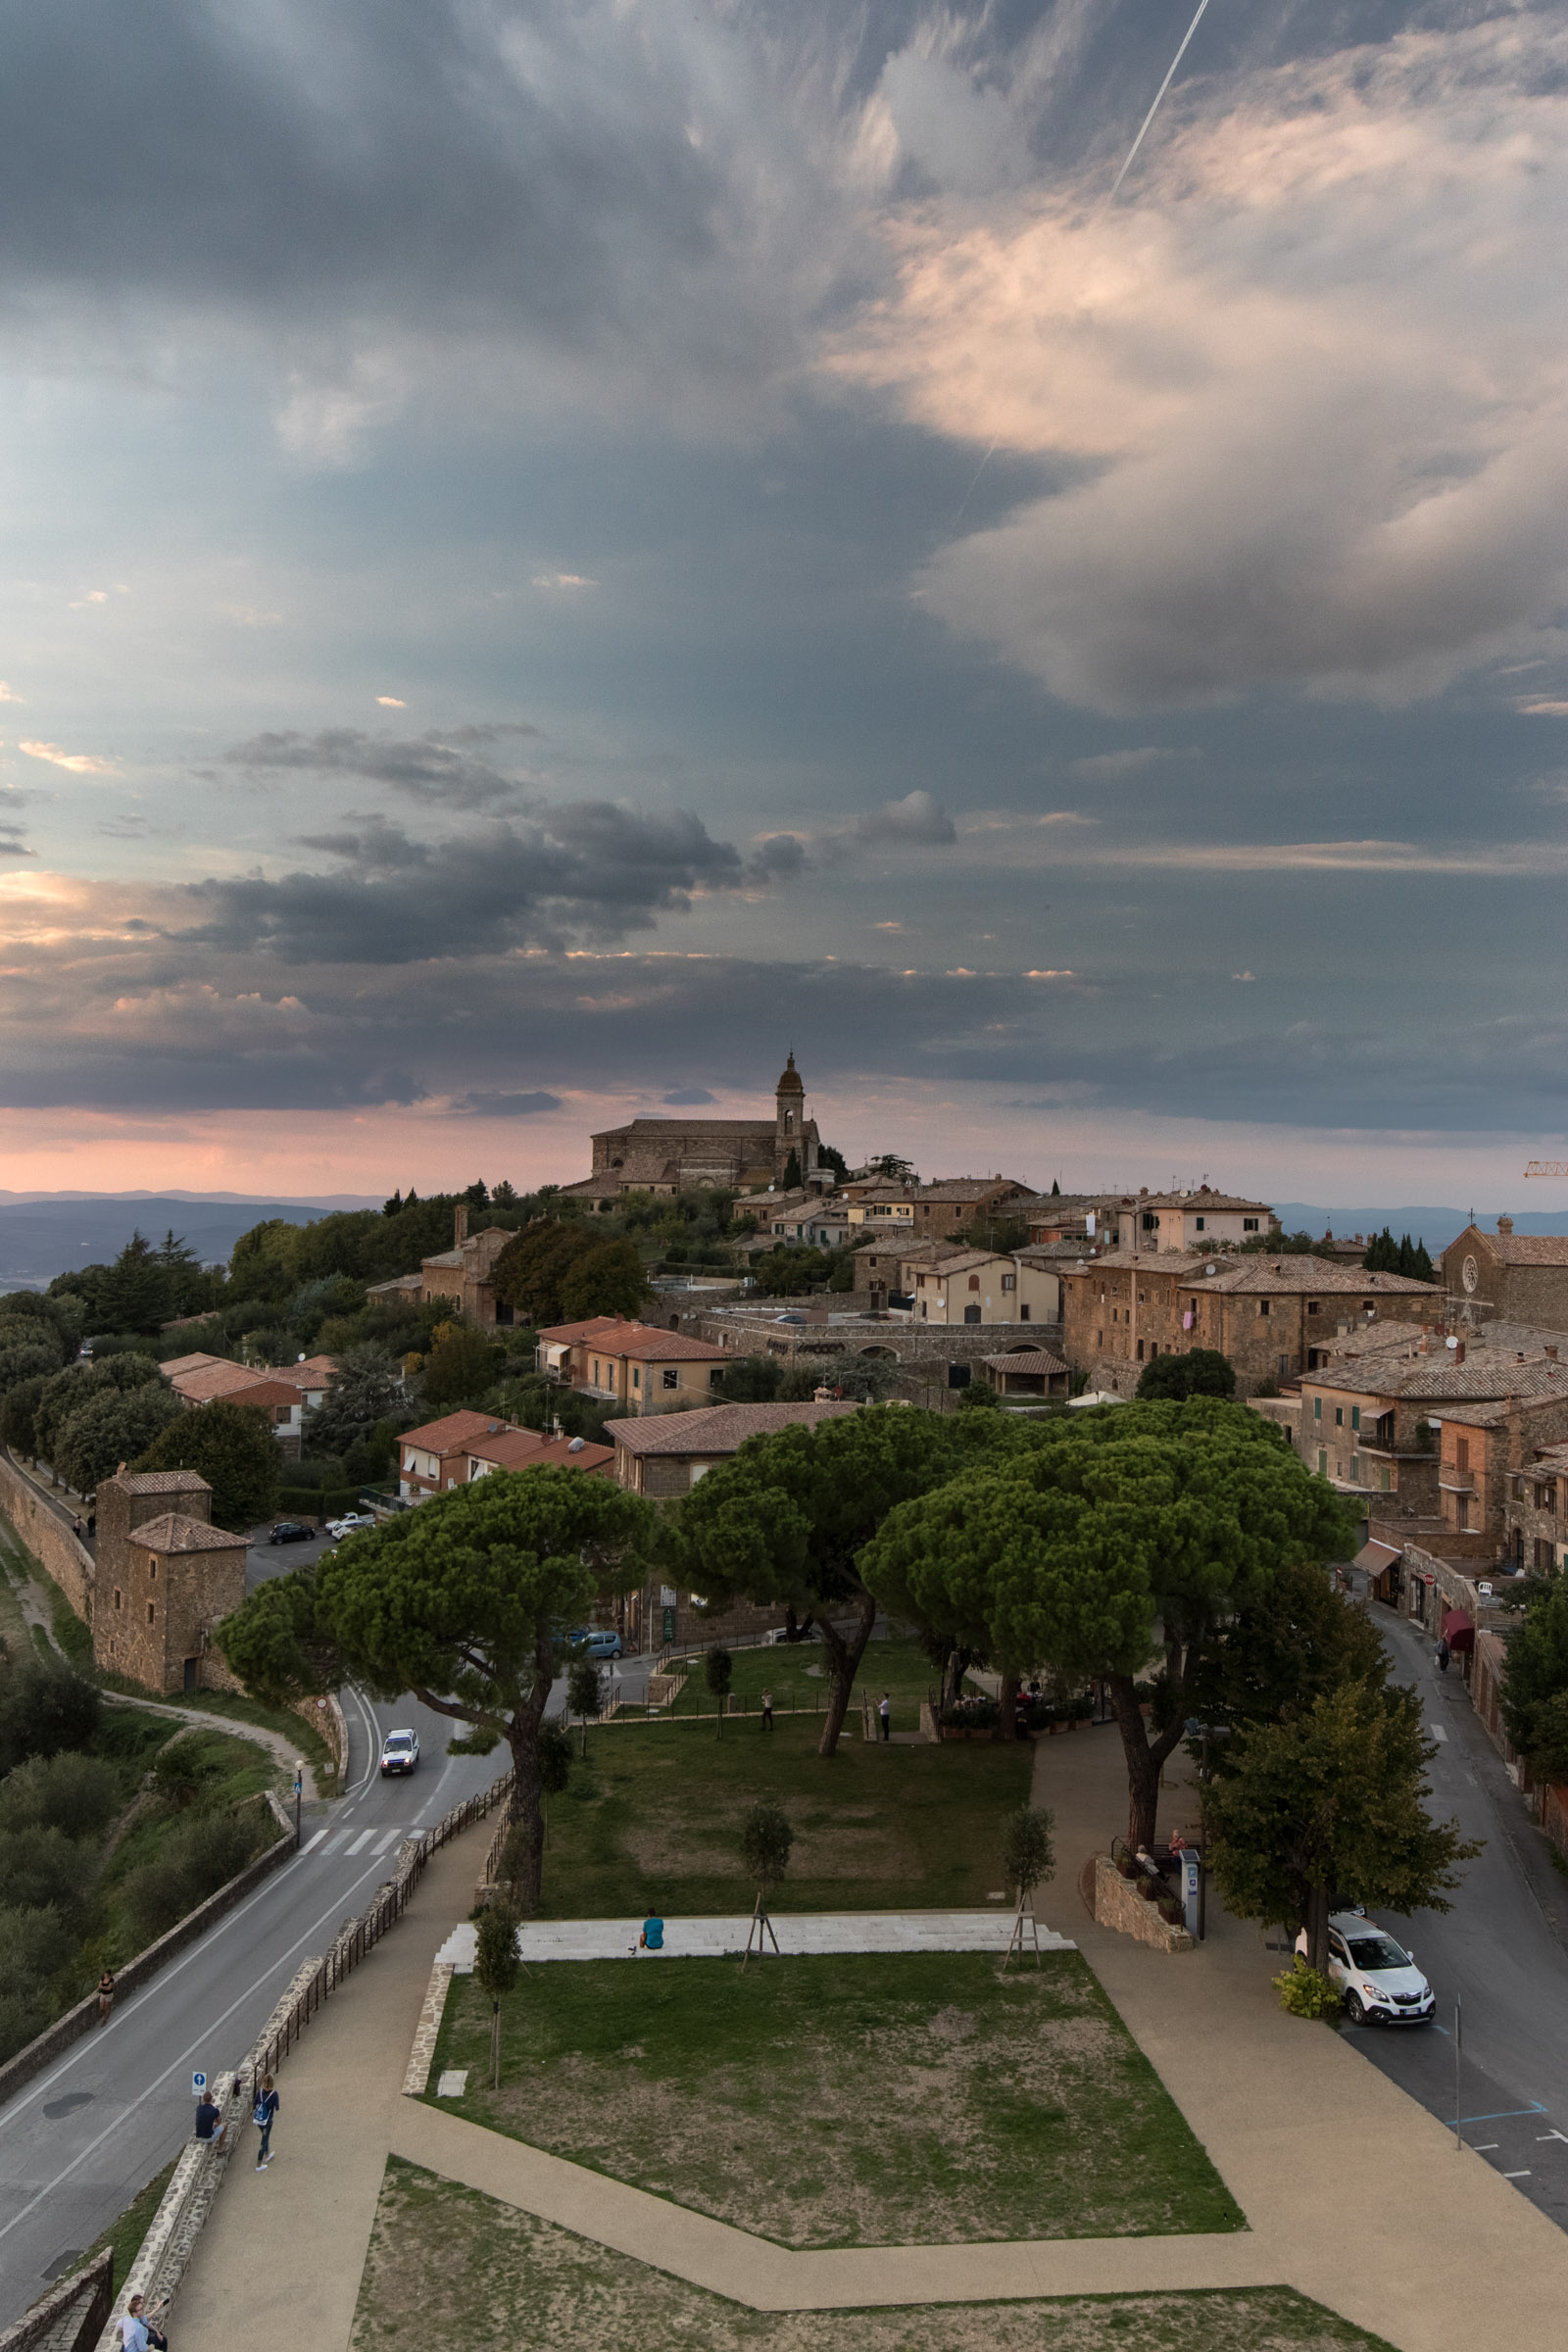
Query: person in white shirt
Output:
(136,2330)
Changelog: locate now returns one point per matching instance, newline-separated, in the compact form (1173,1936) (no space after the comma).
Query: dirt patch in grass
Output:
(853,2100)
(451,2267)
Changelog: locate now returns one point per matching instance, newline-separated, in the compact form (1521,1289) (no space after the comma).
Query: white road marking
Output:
(361,1842)
(1516,2176)
(1484,2147)
(310,1843)
(1439,1731)
(337,1839)
(389,1839)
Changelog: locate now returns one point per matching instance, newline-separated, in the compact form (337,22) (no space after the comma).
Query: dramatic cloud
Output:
(1314,429)
(445,771)
(687,1098)
(480,1104)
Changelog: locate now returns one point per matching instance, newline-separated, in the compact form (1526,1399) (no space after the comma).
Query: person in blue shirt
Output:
(651,1939)
(267,2106)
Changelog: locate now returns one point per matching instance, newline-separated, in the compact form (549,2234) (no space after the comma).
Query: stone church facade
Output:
(671,1156)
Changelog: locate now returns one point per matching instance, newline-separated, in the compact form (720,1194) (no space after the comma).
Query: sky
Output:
(554,554)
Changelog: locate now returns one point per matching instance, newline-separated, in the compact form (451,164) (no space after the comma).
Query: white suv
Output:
(1378,1978)
(349,1525)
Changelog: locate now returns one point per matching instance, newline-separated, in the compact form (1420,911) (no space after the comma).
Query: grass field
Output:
(796,1673)
(654,1816)
(126,2235)
(451,2267)
(853,2100)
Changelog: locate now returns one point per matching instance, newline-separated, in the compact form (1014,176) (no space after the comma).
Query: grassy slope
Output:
(851,2100)
(655,1816)
(900,1667)
(451,2267)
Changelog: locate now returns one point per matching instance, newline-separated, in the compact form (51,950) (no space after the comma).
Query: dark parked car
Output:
(291,1531)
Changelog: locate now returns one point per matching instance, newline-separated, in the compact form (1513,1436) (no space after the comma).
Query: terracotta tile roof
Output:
(198,1362)
(162,1482)
(1321,1276)
(1524,1248)
(643,1341)
(967,1189)
(1485,1374)
(174,1532)
(1538,1397)
(216,1380)
(452,1433)
(1202,1200)
(398,1283)
(263,1393)
(721,1429)
(1026,1359)
(527,1449)
(316,1372)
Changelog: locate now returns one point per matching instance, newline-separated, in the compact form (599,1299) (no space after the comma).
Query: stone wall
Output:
(48,1538)
(1118,1904)
(924,1353)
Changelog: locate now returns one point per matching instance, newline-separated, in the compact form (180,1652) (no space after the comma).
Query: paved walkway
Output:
(797,1931)
(1352,2194)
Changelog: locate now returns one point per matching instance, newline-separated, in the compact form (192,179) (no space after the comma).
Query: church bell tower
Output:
(789,1131)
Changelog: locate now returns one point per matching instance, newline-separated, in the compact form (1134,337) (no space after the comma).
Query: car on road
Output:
(349,1524)
(594,1642)
(400,1752)
(292,1531)
(1379,1979)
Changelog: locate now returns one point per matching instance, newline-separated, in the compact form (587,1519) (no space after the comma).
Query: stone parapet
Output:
(1118,1904)
(47,1537)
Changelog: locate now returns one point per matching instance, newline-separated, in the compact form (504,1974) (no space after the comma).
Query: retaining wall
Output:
(325,1717)
(146,1964)
(1118,1904)
(47,1537)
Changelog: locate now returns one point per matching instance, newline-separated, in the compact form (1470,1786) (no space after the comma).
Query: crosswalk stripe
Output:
(310,1843)
(389,1839)
(334,1842)
(362,1841)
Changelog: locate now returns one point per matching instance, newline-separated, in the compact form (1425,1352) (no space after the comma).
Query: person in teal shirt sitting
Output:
(652,1934)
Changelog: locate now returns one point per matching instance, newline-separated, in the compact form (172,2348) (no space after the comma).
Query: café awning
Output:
(1459,1629)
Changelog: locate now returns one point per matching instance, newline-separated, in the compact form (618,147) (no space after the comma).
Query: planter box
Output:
(1119,1905)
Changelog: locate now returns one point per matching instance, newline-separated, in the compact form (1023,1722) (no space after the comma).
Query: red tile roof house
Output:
(435,1458)
(526,1449)
(635,1365)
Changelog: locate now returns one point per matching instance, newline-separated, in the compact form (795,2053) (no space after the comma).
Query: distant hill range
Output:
(1437,1226)
(45,1233)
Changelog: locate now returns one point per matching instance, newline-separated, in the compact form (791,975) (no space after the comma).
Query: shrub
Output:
(972,1715)
(765,1841)
(44,1708)
(1306,1992)
(75,1795)
(180,1771)
(42,1868)
(202,1857)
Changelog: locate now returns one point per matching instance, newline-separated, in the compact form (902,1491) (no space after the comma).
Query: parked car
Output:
(594,1643)
(400,1752)
(349,1524)
(778,1636)
(1378,1978)
(292,1531)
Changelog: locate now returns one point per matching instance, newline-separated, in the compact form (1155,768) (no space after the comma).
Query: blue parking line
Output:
(1501,2116)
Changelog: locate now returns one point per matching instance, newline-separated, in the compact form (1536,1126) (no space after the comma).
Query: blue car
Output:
(594,1643)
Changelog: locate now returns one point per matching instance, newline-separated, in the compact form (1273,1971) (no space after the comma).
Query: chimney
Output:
(1459,1352)
(1505,1224)
(459,1224)
(1551,1354)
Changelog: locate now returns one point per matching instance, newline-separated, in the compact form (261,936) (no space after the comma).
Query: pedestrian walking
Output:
(885,1715)
(267,2106)
(76,1527)
(106,1995)
(1443,1656)
(768,1710)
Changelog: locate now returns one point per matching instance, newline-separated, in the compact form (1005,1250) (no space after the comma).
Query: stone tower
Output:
(790,1130)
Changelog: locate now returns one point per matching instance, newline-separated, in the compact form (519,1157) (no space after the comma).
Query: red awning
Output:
(1458,1630)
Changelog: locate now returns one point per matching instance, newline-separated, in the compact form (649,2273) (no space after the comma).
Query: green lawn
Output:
(796,1673)
(125,2235)
(449,2267)
(655,1816)
(847,2100)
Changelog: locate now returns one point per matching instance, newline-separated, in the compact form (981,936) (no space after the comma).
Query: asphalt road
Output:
(1501,1955)
(79,2140)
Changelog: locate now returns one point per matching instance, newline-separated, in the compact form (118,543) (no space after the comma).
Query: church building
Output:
(671,1156)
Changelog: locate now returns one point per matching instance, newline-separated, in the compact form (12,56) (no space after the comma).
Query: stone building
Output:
(166,1578)
(926,1213)
(1197,1218)
(635,1365)
(673,1156)
(1535,1515)
(1507,1276)
(1265,1314)
(978,1286)
(1484,1447)
(461,1274)
(1371,1421)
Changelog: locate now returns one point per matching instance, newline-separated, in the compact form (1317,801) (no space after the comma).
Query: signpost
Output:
(198,2084)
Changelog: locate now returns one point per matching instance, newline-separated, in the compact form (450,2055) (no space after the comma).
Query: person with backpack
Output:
(266,2115)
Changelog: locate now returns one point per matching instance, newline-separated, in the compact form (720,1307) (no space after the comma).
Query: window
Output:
(1262,1307)
(1200,1224)
(1099,1339)
(1322,1464)
(1367,1306)
(1312,1306)
(1248,1224)
(1542,1556)
(974,1282)
(670,1376)
(971,1314)
(152,1613)
(1009,1282)
(118,1603)
(1383,1478)
(1024,1312)
(152,1572)
(1355,1416)
(1317,1408)
(1355,1469)
(1139,1352)
(1461,1455)
(636,1376)
(1338,1416)
(715,1375)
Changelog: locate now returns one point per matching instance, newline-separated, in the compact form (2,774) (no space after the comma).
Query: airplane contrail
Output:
(1159,95)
